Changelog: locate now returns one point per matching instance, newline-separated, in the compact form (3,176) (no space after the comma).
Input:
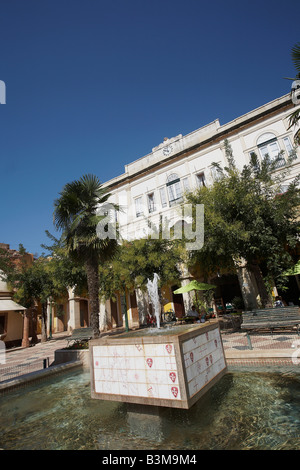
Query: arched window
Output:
(266,137)
(174,189)
(268,145)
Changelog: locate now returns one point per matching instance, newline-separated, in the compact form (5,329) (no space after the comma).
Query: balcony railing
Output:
(279,163)
(173,202)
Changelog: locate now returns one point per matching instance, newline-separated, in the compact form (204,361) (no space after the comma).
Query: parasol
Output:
(293,271)
(194,285)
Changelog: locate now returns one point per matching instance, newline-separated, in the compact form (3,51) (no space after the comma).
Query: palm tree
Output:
(76,214)
(296,57)
(295,116)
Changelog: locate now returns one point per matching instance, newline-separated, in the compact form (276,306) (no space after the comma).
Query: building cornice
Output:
(221,133)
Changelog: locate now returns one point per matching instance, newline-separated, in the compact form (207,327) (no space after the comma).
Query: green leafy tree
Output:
(137,261)
(65,271)
(34,284)
(19,272)
(248,217)
(6,264)
(76,215)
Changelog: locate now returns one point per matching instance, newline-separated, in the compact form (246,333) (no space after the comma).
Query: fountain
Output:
(173,368)
(169,368)
(152,288)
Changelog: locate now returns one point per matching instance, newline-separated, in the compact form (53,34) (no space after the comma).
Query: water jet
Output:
(152,288)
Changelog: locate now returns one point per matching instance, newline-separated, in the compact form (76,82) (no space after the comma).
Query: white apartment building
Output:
(154,184)
(152,187)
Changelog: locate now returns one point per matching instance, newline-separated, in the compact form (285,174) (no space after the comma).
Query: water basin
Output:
(251,408)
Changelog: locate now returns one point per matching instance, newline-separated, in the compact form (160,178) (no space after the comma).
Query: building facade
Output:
(152,187)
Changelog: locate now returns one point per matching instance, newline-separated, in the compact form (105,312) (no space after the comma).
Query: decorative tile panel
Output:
(171,370)
(142,370)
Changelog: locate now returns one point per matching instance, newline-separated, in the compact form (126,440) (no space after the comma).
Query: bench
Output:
(80,334)
(271,319)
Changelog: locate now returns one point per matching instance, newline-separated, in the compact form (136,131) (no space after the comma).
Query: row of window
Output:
(268,144)
(172,193)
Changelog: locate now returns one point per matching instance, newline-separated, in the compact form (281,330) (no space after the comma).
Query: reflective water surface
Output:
(246,409)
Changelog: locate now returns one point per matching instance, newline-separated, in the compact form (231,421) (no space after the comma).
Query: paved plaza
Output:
(20,361)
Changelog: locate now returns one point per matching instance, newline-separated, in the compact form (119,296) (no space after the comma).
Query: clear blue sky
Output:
(92,85)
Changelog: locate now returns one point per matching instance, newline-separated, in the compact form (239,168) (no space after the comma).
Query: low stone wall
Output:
(262,357)
(38,375)
(62,356)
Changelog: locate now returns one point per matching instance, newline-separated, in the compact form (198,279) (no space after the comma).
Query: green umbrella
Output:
(194,285)
(293,271)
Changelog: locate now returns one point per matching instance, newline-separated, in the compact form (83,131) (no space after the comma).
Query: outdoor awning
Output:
(10,305)
(194,285)
(293,271)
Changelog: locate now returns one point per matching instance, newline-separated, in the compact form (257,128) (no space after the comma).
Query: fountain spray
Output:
(152,287)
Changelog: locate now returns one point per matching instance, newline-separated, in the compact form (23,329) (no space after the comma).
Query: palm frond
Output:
(84,205)
(296,56)
(294,118)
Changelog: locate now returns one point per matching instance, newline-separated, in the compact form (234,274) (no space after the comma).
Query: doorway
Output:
(134,310)
(84,313)
(178,303)
(114,313)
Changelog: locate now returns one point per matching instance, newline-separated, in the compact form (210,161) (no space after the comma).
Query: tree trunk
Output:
(91,267)
(264,296)
(44,323)
(34,339)
(247,283)
(26,323)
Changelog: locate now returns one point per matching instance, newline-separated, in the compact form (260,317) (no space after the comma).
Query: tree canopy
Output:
(248,216)
(66,272)
(137,261)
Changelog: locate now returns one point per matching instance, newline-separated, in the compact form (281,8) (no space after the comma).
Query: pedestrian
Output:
(193,312)
(278,301)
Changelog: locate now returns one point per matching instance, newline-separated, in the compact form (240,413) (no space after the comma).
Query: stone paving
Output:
(20,361)
(260,341)
(279,348)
